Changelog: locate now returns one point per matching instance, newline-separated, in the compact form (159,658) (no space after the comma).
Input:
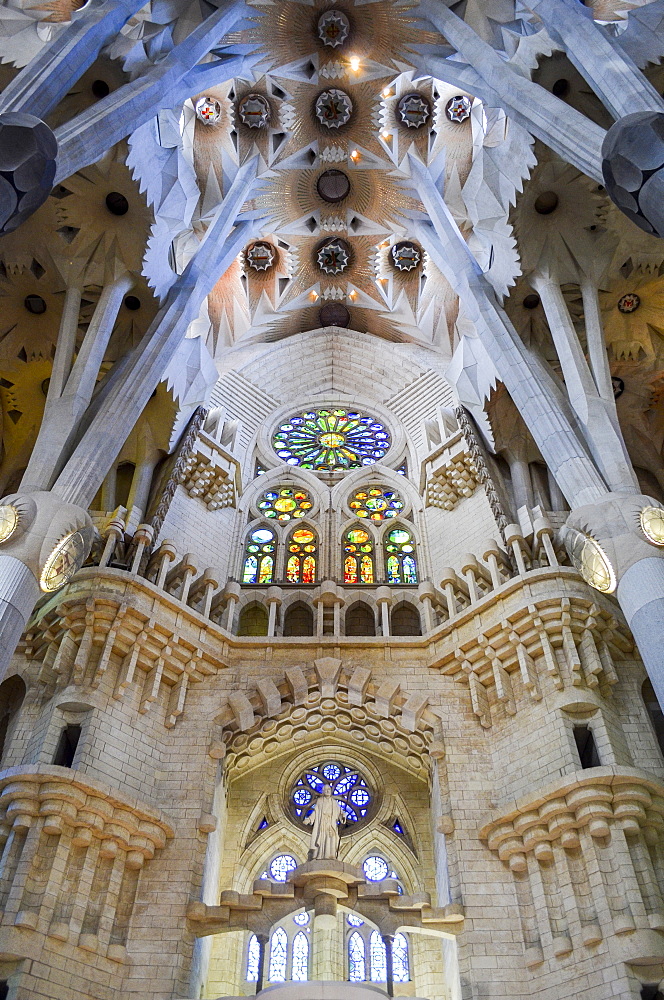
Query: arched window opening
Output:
(281,867)
(12,693)
(278,956)
(67,746)
(253,959)
(302,550)
(359,566)
(586,746)
(405,620)
(123,479)
(377,958)
(300,963)
(357,966)
(653,709)
(259,557)
(360,620)
(400,962)
(253,620)
(401,563)
(299,620)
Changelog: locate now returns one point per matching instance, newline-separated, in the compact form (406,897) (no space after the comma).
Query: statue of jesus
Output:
(326,816)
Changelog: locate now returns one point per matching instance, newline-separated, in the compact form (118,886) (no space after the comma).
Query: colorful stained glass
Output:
(377,958)
(356,959)
(253,959)
(278,956)
(348,787)
(376,503)
(301,564)
(401,564)
(333,440)
(285,503)
(259,557)
(400,963)
(358,561)
(300,964)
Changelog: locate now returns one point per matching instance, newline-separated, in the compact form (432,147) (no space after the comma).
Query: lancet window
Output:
(259,556)
(400,557)
(302,554)
(367,953)
(288,951)
(359,561)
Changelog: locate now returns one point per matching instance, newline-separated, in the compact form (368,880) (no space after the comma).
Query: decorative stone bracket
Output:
(210,474)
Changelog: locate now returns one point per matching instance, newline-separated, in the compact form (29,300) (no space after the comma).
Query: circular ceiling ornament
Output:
(331,440)
(8,521)
(333,257)
(254,111)
(208,110)
(285,504)
(333,28)
(333,186)
(333,108)
(377,503)
(65,560)
(260,256)
(406,256)
(629,303)
(349,788)
(652,524)
(414,110)
(334,314)
(458,108)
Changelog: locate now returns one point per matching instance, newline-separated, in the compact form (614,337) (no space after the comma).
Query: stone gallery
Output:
(331,499)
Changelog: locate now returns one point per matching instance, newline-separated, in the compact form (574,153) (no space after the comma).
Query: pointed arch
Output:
(278,967)
(302,555)
(360,619)
(359,555)
(377,958)
(357,962)
(300,958)
(299,620)
(405,619)
(253,619)
(400,554)
(260,551)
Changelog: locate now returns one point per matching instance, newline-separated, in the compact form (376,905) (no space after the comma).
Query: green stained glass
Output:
(331,440)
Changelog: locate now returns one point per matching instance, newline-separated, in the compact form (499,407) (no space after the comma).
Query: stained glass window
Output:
(356,961)
(281,866)
(354,921)
(253,959)
(331,440)
(348,787)
(376,503)
(278,956)
(400,963)
(401,562)
(300,965)
(375,868)
(285,503)
(301,556)
(377,958)
(359,557)
(301,919)
(259,557)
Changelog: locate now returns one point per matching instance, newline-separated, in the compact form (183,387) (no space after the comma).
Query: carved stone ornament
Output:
(414,110)
(405,256)
(260,256)
(629,303)
(459,108)
(208,111)
(333,108)
(254,111)
(333,257)
(333,28)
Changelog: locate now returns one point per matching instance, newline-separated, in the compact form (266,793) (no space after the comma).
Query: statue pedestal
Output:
(326,881)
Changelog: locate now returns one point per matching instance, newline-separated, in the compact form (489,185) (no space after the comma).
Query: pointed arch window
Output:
(301,564)
(259,556)
(357,966)
(400,962)
(300,966)
(253,959)
(378,958)
(278,956)
(359,563)
(401,560)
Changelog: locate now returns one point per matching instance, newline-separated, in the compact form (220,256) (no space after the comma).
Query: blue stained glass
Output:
(281,866)
(400,963)
(253,959)
(278,956)
(301,796)
(263,824)
(350,813)
(301,919)
(300,966)
(375,868)
(356,958)
(351,790)
(331,771)
(346,783)
(315,783)
(250,569)
(378,958)
(354,920)
(359,797)
(396,826)
(409,570)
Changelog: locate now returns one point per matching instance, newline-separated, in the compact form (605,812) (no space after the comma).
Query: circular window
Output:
(281,867)
(333,440)
(333,186)
(285,504)
(375,868)
(376,503)
(348,786)
(301,919)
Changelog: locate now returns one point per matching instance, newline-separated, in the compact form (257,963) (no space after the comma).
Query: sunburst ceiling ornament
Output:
(629,303)
(333,28)
(333,108)
(333,256)
(260,256)
(414,110)
(458,108)
(208,111)
(254,111)
(406,256)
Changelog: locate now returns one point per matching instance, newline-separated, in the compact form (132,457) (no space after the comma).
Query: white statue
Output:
(326,816)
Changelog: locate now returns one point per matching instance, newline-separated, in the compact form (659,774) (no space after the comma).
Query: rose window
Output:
(285,504)
(348,786)
(331,440)
(376,503)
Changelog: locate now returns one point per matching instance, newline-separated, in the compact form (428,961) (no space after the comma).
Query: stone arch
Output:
(253,619)
(12,695)
(360,619)
(405,619)
(370,475)
(261,522)
(299,619)
(285,476)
